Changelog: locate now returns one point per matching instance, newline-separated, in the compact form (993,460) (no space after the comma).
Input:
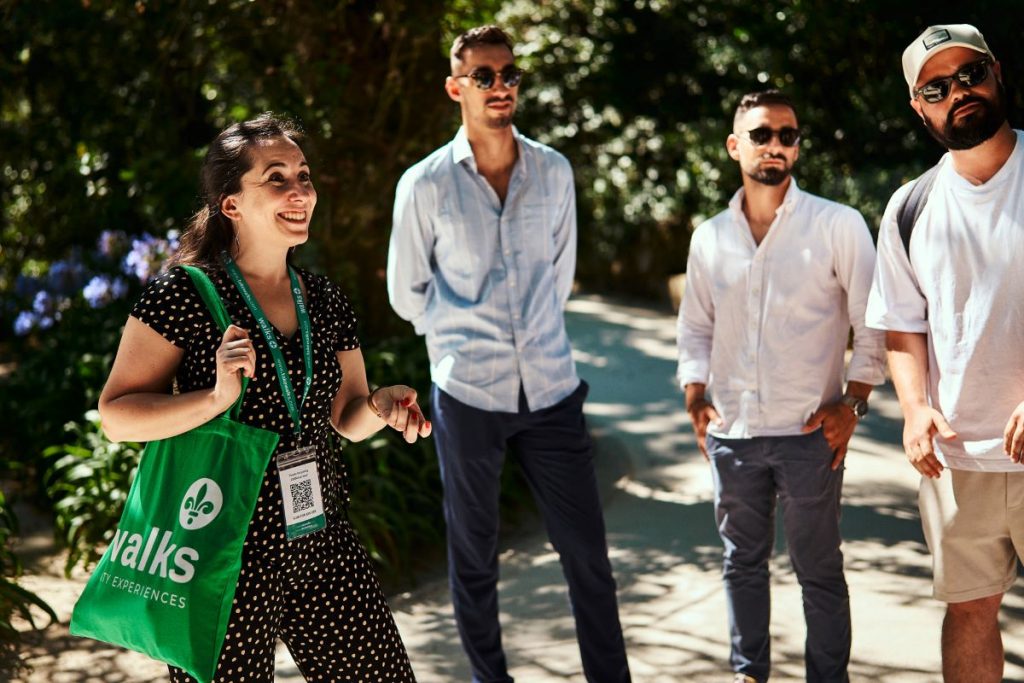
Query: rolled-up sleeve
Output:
(855,266)
(409,272)
(896,302)
(696,323)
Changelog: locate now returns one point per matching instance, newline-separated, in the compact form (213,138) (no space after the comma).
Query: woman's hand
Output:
(397,406)
(236,357)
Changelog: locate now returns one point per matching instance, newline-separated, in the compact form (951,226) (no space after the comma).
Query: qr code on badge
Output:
(302,495)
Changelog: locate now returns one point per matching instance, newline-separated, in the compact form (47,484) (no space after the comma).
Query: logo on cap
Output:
(936,38)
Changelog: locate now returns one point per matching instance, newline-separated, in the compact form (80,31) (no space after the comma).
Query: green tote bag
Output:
(165,585)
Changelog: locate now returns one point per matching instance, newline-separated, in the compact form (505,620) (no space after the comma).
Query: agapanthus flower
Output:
(24,323)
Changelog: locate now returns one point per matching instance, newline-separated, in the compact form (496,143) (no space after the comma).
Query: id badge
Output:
(300,490)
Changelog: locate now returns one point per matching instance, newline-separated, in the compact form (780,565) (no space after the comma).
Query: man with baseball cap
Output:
(948,292)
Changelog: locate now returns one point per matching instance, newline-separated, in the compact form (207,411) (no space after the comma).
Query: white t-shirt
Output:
(963,285)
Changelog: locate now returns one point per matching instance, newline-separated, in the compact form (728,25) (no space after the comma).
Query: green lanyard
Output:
(294,406)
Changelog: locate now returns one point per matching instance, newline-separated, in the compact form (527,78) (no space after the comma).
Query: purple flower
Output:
(24,323)
(147,254)
(111,241)
(45,322)
(66,276)
(101,290)
(42,302)
(97,292)
(173,241)
(136,262)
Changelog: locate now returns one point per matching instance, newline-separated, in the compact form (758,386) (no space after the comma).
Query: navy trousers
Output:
(749,474)
(554,450)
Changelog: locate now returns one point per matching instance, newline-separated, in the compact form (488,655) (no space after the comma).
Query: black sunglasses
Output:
(968,76)
(485,77)
(788,136)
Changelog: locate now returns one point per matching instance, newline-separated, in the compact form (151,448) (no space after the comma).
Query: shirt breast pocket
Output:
(464,252)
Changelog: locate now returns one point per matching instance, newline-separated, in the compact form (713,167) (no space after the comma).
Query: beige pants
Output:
(974,525)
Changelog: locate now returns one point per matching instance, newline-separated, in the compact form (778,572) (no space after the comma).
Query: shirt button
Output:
(508,252)
(512,282)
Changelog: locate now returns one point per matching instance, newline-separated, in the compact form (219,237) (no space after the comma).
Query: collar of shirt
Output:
(463,151)
(789,202)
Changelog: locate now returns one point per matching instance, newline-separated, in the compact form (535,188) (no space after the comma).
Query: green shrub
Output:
(88,483)
(395,487)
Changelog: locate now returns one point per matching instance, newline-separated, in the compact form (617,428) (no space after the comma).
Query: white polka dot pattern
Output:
(318,593)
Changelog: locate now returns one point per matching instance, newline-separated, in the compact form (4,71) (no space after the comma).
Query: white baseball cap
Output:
(934,40)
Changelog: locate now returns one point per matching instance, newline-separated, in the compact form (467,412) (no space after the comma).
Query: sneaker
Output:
(743,678)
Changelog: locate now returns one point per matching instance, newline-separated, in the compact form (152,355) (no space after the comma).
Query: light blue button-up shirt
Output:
(486,283)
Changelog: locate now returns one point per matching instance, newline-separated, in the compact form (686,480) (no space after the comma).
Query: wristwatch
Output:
(858,405)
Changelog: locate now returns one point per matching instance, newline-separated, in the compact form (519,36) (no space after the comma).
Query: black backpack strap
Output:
(913,204)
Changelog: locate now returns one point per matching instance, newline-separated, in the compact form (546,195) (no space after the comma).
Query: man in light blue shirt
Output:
(481,261)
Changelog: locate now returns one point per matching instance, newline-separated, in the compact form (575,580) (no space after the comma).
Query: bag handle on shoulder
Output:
(220,315)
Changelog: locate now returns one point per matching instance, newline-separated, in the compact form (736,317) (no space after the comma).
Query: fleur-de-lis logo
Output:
(201,505)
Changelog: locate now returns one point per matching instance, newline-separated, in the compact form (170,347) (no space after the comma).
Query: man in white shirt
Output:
(773,285)
(481,261)
(949,295)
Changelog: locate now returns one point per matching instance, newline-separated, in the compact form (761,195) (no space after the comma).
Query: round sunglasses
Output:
(968,76)
(485,77)
(788,136)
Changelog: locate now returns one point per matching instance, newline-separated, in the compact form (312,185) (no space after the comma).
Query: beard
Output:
(503,121)
(975,128)
(500,122)
(772,175)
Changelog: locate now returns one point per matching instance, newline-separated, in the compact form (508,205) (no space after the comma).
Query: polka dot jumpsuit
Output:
(317,593)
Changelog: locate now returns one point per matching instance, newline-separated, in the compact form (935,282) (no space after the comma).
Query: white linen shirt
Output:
(962,286)
(487,283)
(766,326)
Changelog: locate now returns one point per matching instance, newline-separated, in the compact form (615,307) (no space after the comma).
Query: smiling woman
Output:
(282,191)
(304,575)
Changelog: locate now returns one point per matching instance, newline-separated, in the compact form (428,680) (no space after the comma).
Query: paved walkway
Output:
(665,550)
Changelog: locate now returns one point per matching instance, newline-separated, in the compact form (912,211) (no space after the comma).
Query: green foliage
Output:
(640,94)
(14,600)
(59,377)
(106,111)
(89,482)
(108,107)
(395,487)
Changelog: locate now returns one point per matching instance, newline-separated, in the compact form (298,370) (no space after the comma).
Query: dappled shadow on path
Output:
(665,548)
